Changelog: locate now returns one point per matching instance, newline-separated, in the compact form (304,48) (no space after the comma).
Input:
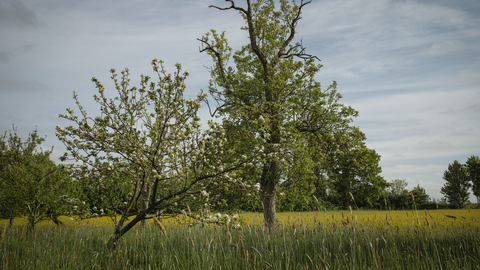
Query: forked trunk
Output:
(120,230)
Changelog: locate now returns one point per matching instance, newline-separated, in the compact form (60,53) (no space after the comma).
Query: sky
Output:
(411,68)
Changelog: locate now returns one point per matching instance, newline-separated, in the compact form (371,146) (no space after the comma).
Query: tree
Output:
(270,99)
(398,187)
(456,188)
(148,142)
(31,185)
(473,170)
(357,172)
(420,196)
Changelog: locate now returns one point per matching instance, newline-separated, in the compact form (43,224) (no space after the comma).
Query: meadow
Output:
(431,239)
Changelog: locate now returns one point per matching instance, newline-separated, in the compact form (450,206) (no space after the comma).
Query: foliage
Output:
(398,187)
(269,97)
(473,170)
(147,151)
(457,185)
(31,185)
(420,196)
(357,172)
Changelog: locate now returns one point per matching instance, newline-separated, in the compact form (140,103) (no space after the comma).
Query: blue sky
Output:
(411,68)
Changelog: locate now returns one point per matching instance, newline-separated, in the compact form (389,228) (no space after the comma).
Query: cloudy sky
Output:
(411,68)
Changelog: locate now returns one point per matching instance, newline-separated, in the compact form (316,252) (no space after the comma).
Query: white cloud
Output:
(445,47)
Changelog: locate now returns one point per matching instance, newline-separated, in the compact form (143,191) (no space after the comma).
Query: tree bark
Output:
(120,230)
(269,186)
(145,200)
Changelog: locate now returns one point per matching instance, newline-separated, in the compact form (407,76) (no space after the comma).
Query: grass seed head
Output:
(159,225)
(3,231)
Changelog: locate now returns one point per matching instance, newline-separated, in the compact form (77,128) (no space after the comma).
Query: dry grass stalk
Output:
(3,231)
(428,223)
(350,209)
(159,225)
(351,195)
(245,255)
(323,263)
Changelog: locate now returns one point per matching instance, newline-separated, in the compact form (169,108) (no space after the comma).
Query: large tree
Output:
(269,96)
(473,170)
(148,144)
(457,185)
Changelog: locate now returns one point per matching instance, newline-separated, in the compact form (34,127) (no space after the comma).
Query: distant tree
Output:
(420,196)
(357,172)
(473,170)
(146,147)
(397,195)
(457,185)
(398,187)
(31,185)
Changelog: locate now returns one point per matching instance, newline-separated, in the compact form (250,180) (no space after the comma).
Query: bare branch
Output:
(300,54)
(218,56)
(293,25)
(230,7)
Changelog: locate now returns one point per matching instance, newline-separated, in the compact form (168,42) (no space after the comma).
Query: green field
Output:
(318,240)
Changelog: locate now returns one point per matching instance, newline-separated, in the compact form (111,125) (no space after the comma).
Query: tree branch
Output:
(232,6)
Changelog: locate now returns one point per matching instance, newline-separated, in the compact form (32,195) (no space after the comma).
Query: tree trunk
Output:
(120,230)
(145,200)
(55,219)
(269,186)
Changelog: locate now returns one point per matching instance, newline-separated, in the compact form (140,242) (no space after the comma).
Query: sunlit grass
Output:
(447,239)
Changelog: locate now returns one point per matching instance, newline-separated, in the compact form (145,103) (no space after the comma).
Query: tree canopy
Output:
(269,97)
(457,185)
(31,185)
(148,141)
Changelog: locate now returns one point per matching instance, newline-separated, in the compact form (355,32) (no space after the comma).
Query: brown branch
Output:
(232,6)
(218,56)
(293,25)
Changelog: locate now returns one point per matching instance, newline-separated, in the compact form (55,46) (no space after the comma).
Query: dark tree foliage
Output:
(473,170)
(457,185)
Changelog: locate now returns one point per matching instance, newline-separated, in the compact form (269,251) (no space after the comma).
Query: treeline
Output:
(34,187)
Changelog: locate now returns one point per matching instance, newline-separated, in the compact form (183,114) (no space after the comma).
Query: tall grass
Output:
(331,240)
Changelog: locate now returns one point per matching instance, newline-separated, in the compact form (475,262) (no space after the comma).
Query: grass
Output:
(319,240)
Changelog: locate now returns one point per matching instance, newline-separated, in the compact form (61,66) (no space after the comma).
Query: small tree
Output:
(148,141)
(457,185)
(421,196)
(473,170)
(31,185)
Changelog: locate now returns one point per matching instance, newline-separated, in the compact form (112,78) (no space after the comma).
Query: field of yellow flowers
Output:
(432,239)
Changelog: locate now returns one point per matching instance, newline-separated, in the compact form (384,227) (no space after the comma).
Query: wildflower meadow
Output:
(431,239)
